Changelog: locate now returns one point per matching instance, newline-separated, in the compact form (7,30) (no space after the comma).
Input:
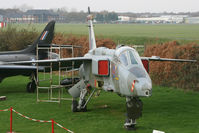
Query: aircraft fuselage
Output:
(125,72)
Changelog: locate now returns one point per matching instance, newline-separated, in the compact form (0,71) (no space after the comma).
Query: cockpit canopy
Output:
(124,58)
(130,59)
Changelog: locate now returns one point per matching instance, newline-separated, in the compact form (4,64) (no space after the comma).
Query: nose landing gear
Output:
(134,111)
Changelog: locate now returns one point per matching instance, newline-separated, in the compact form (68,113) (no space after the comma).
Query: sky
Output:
(110,5)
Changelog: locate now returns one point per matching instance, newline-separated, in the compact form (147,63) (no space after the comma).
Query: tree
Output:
(106,17)
(99,17)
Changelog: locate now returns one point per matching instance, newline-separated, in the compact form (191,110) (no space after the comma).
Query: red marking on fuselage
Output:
(133,86)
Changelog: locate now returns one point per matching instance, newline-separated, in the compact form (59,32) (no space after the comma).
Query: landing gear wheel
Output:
(31,86)
(129,125)
(74,106)
(132,127)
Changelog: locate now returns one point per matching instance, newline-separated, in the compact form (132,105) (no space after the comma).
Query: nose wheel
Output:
(134,111)
(130,124)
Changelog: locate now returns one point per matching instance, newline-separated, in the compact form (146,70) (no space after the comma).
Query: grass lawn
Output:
(169,110)
(132,33)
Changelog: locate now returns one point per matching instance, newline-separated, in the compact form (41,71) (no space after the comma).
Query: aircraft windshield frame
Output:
(128,58)
(132,57)
(124,58)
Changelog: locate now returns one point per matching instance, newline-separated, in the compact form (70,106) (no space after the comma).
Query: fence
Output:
(50,121)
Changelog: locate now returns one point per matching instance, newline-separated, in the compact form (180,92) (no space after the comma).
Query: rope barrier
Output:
(5,110)
(26,117)
(29,117)
(63,127)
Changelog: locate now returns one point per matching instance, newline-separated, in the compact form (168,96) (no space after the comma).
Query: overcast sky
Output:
(110,5)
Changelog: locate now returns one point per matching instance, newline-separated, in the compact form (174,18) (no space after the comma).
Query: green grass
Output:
(170,110)
(132,33)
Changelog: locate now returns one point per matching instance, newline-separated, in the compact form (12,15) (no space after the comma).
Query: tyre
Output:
(74,106)
(31,87)
(129,126)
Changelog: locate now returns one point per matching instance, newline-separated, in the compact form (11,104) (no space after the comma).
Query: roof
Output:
(17,15)
(40,12)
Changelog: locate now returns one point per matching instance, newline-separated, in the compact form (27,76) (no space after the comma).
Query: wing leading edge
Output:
(157,58)
(64,62)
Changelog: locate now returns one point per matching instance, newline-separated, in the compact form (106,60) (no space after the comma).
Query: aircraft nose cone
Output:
(144,87)
(139,86)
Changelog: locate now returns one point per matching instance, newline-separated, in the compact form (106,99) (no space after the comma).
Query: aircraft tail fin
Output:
(45,37)
(92,42)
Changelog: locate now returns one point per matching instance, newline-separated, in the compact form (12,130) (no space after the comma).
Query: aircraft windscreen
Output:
(135,68)
(123,59)
(138,72)
(132,58)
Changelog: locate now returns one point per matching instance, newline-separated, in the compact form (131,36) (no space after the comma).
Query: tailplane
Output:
(92,42)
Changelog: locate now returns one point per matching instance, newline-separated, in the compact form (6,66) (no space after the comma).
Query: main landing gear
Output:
(75,107)
(134,111)
(31,86)
(81,105)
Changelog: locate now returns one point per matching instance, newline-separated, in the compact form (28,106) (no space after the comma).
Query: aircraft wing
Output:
(145,60)
(157,58)
(13,70)
(64,62)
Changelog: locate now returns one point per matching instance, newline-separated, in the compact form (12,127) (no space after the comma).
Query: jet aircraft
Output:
(119,70)
(28,54)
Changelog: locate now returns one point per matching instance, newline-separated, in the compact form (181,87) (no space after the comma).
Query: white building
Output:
(175,18)
(163,19)
(123,18)
(192,20)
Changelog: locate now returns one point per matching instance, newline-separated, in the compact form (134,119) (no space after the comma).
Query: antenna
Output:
(89,12)
(92,42)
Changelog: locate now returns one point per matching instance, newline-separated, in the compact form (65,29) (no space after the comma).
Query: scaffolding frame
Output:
(51,87)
